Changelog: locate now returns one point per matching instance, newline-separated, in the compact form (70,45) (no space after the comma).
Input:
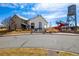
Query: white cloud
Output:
(55,16)
(7,5)
(22,6)
(29,13)
(49,6)
(13,5)
(54,10)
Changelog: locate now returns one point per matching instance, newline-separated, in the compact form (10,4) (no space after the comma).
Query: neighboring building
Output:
(19,22)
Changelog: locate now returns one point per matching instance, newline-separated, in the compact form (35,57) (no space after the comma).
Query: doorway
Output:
(23,26)
(40,25)
(32,26)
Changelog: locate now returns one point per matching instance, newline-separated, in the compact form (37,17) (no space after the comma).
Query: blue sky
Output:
(50,11)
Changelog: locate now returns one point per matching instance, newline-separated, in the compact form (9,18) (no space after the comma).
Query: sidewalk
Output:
(73,34)
(27,33)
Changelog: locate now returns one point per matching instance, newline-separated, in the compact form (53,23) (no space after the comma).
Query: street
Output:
(58,41)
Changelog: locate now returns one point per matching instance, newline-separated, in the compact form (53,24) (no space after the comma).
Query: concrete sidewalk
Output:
(71,34)
(66,33)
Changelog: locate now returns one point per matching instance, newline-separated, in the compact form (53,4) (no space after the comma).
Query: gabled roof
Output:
(20,17)
(39,16)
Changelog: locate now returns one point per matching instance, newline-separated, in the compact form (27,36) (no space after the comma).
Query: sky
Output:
(50,11)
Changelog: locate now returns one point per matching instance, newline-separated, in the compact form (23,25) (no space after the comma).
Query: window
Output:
(40,25)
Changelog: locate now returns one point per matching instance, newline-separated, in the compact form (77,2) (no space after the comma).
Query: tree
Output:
(6,21)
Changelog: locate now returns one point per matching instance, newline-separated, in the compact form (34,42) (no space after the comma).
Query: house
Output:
(19,22)
(38,22)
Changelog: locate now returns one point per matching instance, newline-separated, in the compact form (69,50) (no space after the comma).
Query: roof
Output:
(21,17)
(39,16)
(27,18)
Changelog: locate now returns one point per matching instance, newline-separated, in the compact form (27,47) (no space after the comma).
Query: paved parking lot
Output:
(58,41)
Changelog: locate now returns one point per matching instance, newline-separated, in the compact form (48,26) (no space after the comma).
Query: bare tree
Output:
(6,22)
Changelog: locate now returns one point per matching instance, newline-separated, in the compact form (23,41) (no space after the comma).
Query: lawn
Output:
(3,31)
(23,52)
(31,52)
(17,32)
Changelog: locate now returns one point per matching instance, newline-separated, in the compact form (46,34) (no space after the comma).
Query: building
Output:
(19,22)
(38,23)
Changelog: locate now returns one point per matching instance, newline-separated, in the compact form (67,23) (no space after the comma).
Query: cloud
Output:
(56,15)
(22,5)
(49,6)
(7,5)
(13,5)
(29,13)
(53,10)
(50,17)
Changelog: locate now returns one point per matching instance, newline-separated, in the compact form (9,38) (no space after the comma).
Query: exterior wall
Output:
(37,20)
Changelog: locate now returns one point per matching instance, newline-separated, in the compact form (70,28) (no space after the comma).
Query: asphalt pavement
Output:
(54,41)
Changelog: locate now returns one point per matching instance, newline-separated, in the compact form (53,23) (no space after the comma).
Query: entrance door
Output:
(40,25)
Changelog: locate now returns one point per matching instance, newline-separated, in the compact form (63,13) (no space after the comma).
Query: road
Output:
(59,41)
